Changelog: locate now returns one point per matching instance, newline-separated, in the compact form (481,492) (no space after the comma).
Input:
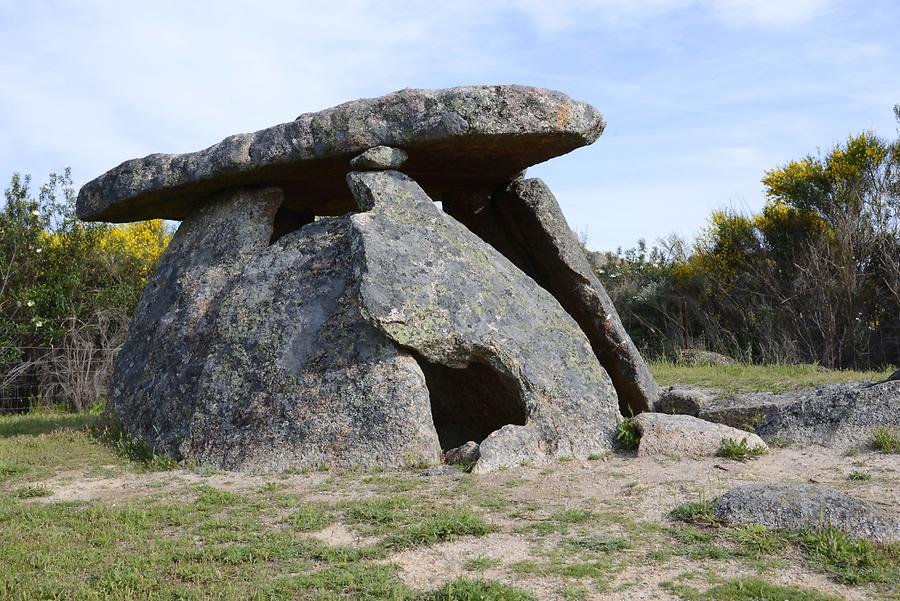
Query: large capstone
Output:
(475,135)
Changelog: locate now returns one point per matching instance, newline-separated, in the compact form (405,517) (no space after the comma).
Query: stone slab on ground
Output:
(840,415)
(684,400)
(686,436)
(805,506)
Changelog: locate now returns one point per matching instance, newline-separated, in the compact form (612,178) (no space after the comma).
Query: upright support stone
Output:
(496,348)
(525,223)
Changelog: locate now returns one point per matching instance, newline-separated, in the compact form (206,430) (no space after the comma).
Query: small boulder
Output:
(840,415)
(804,506)
(684,400)
(379,158)
(691,357)
(744,411)
(686,436)
(466,454)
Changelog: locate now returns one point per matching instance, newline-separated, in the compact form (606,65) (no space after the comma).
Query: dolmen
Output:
(316,305)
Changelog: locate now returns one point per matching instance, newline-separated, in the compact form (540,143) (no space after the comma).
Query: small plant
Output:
(740,450)
(696,512)
(32,492)
(573,516)
(598,544)
(110,432)
(886,439)
(481,563)
(779,442)
(859,475)
(628,435)
(754,423)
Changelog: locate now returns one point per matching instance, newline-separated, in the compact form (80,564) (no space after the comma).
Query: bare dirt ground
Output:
(627,497)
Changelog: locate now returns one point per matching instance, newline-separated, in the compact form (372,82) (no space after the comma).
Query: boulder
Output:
(466,454)
(744,411)
(696,358)
(525,223)
(806,507)
(684,400)
(475,135)
(686,436)
(841,415)
(374,339)
(380,157)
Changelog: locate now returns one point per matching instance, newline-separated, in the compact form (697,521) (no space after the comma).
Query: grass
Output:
(696,512)
(748,589)
(849,560)
(743,377)
(464,589)
(886,439)
(740,450)
(846,559)
(198,533)
(859,475)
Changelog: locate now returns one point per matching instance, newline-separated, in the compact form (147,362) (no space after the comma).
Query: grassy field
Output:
(86,514)
(754,378)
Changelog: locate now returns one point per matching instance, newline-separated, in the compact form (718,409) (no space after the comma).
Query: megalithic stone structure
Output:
(315,305)
(524,222)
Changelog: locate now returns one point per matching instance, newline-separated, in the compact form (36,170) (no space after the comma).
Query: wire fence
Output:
(74,376)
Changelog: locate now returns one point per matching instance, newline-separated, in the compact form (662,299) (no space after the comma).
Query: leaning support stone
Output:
(525,223)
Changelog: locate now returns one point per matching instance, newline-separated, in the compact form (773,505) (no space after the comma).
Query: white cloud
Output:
(769,13)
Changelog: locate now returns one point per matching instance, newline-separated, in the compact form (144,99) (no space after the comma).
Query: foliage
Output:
(628,434)
(814,277)
(740,450)
(67,290)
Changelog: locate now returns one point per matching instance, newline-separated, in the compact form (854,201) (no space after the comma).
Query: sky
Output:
(701,97)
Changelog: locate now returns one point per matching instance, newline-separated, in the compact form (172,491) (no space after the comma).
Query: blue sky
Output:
(701,96)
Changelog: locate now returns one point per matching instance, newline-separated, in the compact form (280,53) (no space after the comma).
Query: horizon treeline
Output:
(814,277)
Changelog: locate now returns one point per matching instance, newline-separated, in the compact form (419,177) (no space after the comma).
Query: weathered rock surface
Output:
(466,454)
(804,506)
(248,356)
(746,410)
(685,435)
(839,415)
(380,157)
(525,223)
(434,287)
(684,400)
(459,137)
(378,338)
